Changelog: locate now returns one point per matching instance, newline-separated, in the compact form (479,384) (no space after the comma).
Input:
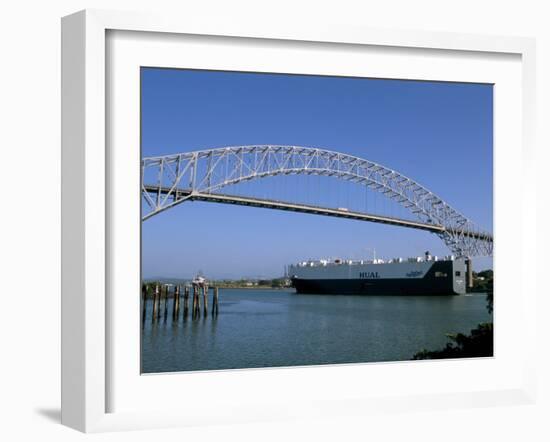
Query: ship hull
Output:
(378,287)
(431,283)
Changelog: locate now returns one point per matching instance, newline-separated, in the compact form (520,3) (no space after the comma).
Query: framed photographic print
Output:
(296,222)
(363,306)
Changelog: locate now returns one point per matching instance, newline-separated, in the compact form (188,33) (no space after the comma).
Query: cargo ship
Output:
(422,275)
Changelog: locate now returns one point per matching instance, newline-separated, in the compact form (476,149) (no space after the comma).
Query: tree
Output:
(479,343)
(490,296)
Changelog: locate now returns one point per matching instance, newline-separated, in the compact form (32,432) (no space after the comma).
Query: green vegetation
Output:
(479,343)
(150,288)
(481,281)
(243,283)
(275,283)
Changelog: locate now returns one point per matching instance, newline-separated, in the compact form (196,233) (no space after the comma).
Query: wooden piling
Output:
(215,302)
(194,310)
(193,305)
(164,293)
(156,300)
(186,302)
(205,300)
(159,302)
(176,303)
(144,302)
(198,301)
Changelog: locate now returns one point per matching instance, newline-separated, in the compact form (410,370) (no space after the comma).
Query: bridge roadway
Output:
(187,195)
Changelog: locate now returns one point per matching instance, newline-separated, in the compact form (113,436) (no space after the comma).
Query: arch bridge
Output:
(209,175)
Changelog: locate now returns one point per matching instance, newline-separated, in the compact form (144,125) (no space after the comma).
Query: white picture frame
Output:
(87,313)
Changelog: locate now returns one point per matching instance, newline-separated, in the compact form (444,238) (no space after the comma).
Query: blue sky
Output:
(439,134)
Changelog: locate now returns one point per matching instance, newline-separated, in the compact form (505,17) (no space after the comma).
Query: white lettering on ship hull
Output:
(369,275)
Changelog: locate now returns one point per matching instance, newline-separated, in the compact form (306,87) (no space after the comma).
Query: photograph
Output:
(302,220)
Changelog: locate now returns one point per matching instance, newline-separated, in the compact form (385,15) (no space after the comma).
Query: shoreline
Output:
(254,288)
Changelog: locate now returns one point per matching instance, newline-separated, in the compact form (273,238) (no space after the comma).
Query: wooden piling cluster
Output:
(160,295)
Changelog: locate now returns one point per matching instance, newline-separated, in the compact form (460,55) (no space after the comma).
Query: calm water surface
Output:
(274,328)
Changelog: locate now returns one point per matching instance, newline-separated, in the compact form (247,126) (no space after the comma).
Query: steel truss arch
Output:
(172,179)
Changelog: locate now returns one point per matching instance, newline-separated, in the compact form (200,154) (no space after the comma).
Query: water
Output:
(275,328)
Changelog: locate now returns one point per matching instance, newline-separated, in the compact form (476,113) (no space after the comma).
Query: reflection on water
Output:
(274,328)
